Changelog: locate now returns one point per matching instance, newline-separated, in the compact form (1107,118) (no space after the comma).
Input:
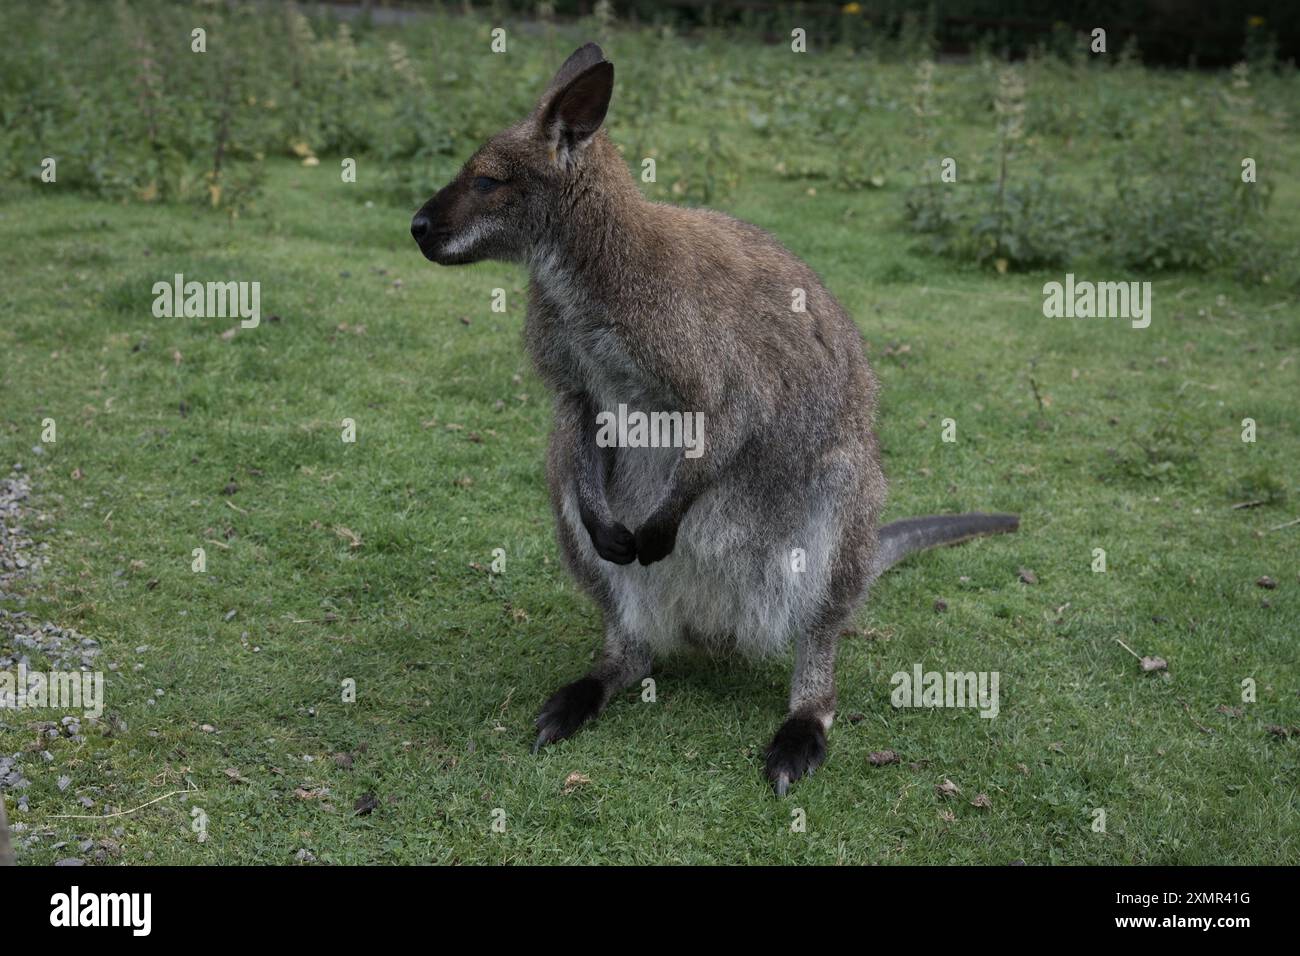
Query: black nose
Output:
(420,226)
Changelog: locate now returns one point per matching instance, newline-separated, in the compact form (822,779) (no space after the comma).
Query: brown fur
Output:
(658,307)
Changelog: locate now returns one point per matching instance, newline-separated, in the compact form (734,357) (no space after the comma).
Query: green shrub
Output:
(1187,209)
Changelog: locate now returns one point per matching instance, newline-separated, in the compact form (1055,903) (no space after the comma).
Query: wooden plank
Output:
(6,848)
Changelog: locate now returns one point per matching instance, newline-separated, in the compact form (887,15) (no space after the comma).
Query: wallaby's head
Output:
(519,186)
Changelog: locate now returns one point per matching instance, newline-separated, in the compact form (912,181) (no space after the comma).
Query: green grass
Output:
(1136,449)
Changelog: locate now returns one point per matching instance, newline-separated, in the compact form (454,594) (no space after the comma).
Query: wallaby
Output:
(770,534)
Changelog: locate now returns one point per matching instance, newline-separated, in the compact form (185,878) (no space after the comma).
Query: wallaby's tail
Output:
(901,538)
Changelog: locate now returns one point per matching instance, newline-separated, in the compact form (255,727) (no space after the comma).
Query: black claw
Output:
(614,543)
(798,749)
(654,542)
(568,709)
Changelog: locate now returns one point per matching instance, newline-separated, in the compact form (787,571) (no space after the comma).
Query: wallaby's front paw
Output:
(655,541)
(798,749)
(568,709)
(614,542)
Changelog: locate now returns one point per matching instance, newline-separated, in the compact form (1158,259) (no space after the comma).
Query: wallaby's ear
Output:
(583,58)
(577,102)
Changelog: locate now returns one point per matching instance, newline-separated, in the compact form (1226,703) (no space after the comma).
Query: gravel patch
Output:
(43,647)
(36,645)
(20,556)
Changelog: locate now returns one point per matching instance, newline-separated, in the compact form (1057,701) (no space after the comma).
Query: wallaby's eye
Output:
(485,184)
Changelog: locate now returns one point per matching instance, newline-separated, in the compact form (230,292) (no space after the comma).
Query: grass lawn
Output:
(371,561)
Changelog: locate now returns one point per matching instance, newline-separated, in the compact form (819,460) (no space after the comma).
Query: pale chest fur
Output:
(577,348)
(575,344)
(715,588)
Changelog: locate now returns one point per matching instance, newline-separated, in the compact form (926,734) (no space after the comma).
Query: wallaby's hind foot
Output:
(568,709)
(624,661)
(798,749)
